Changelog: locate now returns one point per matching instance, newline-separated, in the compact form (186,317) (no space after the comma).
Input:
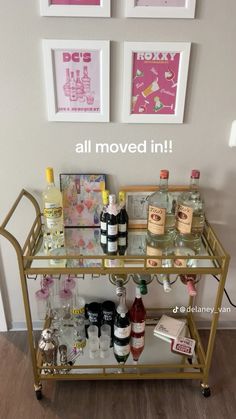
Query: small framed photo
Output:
(77,80)
(82,199)
(155,81)
(161,8)
(137,202)
(76,8)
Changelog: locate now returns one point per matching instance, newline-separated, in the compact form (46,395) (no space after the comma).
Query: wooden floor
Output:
(112,399)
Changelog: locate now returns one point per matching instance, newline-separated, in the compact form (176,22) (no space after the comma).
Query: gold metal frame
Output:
(26,256)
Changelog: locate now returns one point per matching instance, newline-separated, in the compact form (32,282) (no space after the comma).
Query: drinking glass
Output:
(42,299)
(92,331)
(104,342)
(93,347)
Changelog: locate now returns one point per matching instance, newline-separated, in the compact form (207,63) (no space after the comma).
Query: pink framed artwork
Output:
(74,73)
(161,8)
(155,82)
(75,8)
(82,199)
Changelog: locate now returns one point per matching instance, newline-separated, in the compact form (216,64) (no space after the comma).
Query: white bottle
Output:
(53,214)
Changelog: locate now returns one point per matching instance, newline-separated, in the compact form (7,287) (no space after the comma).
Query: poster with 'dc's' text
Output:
(77,80)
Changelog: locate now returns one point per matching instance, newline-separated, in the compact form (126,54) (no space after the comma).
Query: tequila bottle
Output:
(190,217)
(161,212)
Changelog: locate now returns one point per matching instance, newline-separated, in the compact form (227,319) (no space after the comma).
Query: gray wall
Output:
(29,142)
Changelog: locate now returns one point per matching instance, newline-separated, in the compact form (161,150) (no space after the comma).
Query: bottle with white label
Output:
(190,217)
(137,317)
(112,226)
(122,329)
(123,220)
(161,211)
(53,214)
(103,220)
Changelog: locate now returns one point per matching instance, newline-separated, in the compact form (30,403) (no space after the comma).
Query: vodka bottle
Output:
(86,80)
(122,225)
(137,317)
(190,217)
(161,216)
(103,220)
(53,215)
(122,329)
(112,226)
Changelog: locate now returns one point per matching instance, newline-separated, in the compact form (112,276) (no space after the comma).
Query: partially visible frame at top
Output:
(161,8)
(76,8)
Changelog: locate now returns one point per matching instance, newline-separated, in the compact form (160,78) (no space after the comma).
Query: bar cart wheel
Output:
(206,391)
(38,394)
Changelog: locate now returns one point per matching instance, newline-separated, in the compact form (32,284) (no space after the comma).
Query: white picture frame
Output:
(76,10)
(187,11)
(61,59)
(162,99)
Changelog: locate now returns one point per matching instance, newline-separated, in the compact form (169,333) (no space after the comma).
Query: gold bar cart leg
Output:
(205,385)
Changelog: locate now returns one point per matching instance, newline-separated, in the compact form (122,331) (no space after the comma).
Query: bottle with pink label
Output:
(137,318)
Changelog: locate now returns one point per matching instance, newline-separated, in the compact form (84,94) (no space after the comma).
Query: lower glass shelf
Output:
(156,357)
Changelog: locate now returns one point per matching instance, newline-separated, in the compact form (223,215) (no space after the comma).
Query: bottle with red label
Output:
(137,316)
(190,217)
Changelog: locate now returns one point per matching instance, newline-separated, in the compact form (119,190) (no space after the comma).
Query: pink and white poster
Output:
(77,2)
(77,80)
(155,76)
(161,3)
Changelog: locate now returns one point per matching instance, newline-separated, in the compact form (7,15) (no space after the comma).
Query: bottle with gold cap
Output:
(53,214)
(103,220)
(123,220)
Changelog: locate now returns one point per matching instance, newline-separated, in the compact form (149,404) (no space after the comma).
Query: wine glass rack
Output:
(155,363)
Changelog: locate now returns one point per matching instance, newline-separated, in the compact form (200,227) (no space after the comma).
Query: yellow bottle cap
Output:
(49,175)
(105,197)
(122,196)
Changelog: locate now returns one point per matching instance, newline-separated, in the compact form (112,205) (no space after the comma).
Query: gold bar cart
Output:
(213,261)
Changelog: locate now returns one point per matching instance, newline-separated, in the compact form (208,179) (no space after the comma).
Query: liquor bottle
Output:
(190,217)
(112,226)
(86,80)
(103,220)
(137,317)
(142,281)
(79,87)
(73,88)
(161,216)
(122,329)
(158,247)
(190,281)
(53,214)
(123,220)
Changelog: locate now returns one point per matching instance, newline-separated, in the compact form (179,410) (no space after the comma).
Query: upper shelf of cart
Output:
(83,250)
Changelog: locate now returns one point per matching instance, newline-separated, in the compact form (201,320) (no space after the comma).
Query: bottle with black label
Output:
(122,330)
(103,220)
(123,220)
(112,226)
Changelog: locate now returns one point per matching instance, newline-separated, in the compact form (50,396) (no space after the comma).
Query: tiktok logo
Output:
(175,310)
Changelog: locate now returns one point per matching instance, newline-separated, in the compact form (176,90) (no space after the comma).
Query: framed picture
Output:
(155,81)
(137,202)
(161,8)
(77,80)
(75,8)
(82,199)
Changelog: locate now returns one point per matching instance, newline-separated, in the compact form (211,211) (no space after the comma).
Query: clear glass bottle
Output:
(161,214)
(190,218)
(53,214)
